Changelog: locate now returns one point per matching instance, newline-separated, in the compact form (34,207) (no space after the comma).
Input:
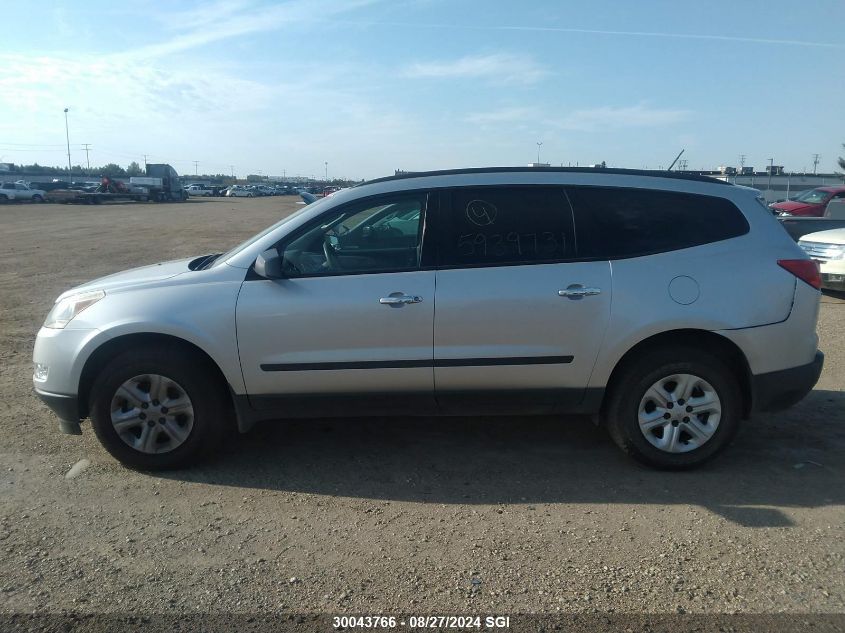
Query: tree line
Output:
(112,170)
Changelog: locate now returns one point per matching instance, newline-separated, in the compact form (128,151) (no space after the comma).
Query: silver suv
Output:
(668,307)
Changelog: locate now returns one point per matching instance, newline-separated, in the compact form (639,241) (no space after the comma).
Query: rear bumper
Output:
(781,389)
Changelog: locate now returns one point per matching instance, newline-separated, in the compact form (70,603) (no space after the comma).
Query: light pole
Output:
(327,171)
(539,143)
(67,138)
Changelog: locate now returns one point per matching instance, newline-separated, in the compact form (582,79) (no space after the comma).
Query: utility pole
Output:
(539,143)
(87,160)
(815,163)
(327,171)
(145,162)
(196,162)
(67,138)
(232,167)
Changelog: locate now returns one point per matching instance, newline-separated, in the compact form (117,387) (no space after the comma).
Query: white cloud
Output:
(503,115)
(503,67)
(592,119)
(585,119)
(236,18)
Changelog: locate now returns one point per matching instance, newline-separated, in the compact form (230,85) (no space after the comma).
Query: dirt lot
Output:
(487,515)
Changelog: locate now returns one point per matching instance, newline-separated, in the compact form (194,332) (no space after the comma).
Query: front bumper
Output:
(65,407)
(781,389)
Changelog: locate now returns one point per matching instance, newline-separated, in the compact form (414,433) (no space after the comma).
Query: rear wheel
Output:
(674,408)
(37,198)
(158,408)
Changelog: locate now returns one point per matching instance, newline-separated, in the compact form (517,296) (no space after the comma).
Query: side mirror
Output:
(269,264)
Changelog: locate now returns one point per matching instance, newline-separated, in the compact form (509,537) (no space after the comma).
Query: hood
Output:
(792,205)
(832,236)
(134,277)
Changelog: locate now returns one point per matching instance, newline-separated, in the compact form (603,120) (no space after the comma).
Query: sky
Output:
(369,86)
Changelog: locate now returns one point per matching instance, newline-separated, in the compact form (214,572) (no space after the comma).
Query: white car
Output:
(199,190)
(828,249)
(240,192)
(669,306)
(18,191)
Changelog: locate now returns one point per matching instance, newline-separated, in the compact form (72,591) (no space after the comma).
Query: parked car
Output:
(828,249)
(833,218)
(809,203)
(709,315)
(19,191)
(200,190)
(236,191)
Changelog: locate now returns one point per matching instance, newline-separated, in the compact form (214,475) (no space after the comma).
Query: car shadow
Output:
(779,461)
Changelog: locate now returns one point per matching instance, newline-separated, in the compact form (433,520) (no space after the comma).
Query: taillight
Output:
(807,270)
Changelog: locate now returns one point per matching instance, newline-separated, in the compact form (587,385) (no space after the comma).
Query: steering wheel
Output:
(331,257)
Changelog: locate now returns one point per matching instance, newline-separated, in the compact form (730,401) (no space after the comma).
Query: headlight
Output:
(65,310)
(837,252)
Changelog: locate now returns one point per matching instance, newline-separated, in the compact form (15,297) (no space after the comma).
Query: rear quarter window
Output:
(614,223)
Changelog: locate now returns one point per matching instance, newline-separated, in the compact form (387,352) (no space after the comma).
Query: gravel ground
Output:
(470,515)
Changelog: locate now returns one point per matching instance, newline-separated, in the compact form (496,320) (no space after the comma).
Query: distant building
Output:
(539,165)
(6,166)
(779,185)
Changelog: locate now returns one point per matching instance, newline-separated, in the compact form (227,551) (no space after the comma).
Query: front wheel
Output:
(37,198)
(674,408)
(158,408)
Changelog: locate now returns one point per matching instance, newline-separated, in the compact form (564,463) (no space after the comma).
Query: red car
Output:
(809,203)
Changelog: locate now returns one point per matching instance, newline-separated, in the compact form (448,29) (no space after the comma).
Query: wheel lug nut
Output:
(686,419)
(143,416)
(669,405)
(144,405)
(675,423)
(164,409)
(681,402)
(151,423)
(161,420)
(666,416)
(689,409)
(155,403)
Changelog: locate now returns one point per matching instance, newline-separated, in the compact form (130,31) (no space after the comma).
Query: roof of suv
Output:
(583,170)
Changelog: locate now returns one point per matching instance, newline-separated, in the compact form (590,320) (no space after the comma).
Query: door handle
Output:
(399,299)
(577,291)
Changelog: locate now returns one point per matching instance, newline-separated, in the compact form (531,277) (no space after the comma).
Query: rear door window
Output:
(614,223)
(498,226)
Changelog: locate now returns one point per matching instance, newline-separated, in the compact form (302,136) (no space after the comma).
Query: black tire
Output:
(200,382)
(37,198)
(620,414)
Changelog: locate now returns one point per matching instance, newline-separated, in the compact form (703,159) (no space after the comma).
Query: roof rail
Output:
(577,170)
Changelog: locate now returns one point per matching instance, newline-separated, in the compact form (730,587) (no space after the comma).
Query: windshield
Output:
(813,196)
(246,243)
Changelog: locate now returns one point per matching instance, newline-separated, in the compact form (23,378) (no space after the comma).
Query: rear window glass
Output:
(613,223)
